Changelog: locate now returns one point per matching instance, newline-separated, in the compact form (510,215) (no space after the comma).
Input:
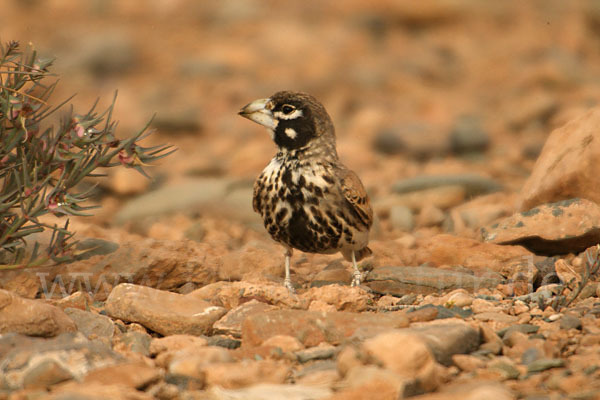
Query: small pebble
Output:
(554,317)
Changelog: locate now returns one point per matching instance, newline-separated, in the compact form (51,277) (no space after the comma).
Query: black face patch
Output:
(300,130)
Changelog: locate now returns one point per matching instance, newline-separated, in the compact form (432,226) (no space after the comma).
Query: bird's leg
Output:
(356,275)
(287,282)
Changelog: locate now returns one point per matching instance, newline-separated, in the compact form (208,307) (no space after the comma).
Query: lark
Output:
(307,198)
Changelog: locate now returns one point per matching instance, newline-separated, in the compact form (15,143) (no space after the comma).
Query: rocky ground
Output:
(474,128)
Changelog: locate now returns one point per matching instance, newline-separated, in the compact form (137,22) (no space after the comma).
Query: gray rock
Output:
(317,366)
(536,297)
(88,248)
(416,140)
(530,355)
(316,353)
(189,196)
(407,299)
(544,364)
(569,321)
(214,196)
(523,328)
(177,120)
(105,54)
(445,312)
(52,360)
(468,136)
(195,232)
(137,342)
(90,323)
(223,341)
(402,218)
(398,281)
(508,370)
(445,339)
(474,185)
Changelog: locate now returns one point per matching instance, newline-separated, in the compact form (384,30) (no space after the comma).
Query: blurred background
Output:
(414,88)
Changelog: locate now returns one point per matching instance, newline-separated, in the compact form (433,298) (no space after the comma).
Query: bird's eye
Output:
(288,109)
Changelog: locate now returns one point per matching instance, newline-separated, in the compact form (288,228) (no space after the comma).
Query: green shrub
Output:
(41,165)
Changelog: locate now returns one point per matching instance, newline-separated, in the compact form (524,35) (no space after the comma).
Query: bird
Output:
(307,198)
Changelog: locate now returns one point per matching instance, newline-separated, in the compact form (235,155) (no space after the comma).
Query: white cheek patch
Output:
(291,133)
(293,115)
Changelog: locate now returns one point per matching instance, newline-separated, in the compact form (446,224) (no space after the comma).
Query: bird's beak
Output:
(258,112)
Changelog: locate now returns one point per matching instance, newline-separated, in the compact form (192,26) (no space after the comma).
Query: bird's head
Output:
(295,120)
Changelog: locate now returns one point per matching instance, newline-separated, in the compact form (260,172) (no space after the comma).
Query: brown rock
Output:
(270,391)
(161,264)
(245,373)
(440,197)
(479,257)
(480,305)
(79,300)
(77,390)
(124,181)
(175,343)
(472,391)
(407,355)
(343,298)
(348,358)
(312,327)
(31,317)
(567,165)
(164,312)
(467,362)
(251,261)
(192,361)
(491,341)
(92,325)
(23,283)
(459,298)
(231,323)
(430,216)
(332,274)
(286,343)
(484,210)
(45,374)
(371,379)
(498,317)
(568,226)
(233,294)
(133,374)
(567,273)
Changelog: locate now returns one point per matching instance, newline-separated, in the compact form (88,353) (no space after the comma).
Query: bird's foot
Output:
(356,279)
(288,284)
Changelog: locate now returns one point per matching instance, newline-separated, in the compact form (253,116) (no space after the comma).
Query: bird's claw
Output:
(356,279)
(288,284)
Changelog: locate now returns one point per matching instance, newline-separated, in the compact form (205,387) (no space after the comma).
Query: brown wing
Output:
(356,195)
